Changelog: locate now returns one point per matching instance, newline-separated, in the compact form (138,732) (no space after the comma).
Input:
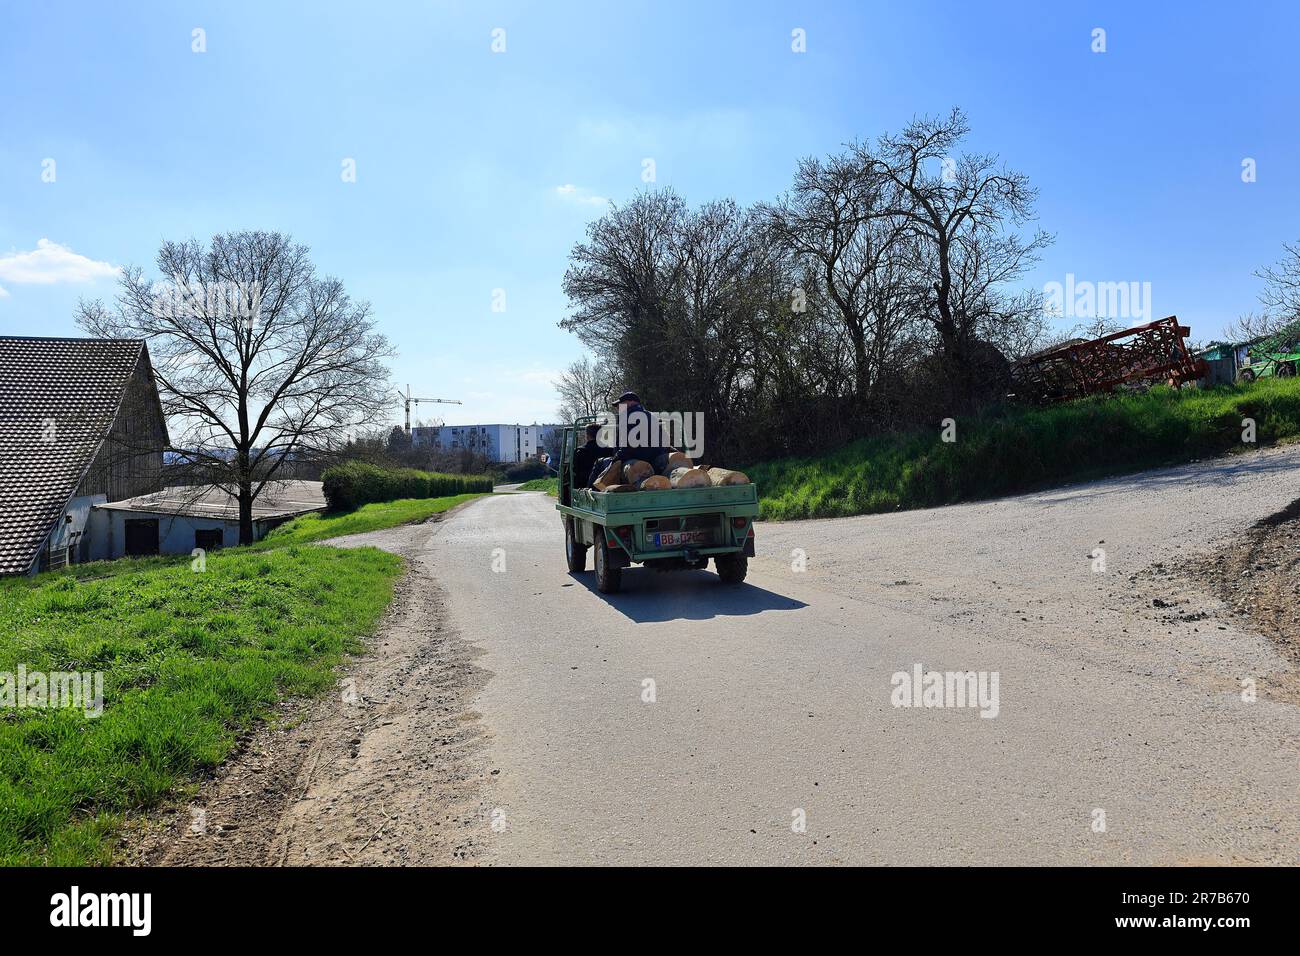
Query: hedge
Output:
(356,483)
(526,470)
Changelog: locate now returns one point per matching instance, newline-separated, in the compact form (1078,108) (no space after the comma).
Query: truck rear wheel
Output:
(574,553)
(731,567)
(608,578)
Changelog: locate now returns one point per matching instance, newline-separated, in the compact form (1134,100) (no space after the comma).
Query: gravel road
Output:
(1120,732)
(776,697)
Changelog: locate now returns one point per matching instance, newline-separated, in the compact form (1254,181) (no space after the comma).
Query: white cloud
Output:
(3,293)
(579,194)
(50,263)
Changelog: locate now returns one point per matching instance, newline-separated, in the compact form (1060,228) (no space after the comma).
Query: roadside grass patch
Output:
(371,517)
(549,485)
(1015,450)
(190,661)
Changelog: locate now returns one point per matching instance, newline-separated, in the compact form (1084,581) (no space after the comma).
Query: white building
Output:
(498,443)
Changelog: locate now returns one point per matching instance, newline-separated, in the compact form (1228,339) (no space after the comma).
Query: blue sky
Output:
(461,153)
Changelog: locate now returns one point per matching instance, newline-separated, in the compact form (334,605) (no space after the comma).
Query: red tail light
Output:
(739,522)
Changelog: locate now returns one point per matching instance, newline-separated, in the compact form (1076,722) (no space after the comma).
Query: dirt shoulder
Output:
(389,770)
(1249,583)
(1258,577)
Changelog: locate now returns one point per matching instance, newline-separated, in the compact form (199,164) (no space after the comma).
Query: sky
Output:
(485,137)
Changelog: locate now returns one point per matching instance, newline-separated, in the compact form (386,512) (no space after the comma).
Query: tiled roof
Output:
(58,399)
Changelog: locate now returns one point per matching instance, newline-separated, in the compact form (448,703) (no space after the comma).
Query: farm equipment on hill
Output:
(1278,355)
(1146,353)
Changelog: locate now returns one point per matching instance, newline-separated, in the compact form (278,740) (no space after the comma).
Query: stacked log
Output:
(689,478)
(680,473)
(724,476)
(634,471)
(612,475)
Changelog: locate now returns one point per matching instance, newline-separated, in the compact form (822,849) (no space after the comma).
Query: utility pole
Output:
(408,401)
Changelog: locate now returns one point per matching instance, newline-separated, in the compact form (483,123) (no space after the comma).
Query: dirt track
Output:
(387,771)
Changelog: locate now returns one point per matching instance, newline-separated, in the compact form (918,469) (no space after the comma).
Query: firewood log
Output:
(677,459)
(690,478)
(654,483)
(635,470)
(724,476)
(620,488)
(612,475)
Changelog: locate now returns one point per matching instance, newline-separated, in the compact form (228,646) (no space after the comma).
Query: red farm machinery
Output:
(1156,352)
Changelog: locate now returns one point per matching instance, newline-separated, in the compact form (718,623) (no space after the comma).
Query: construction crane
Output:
(408,401)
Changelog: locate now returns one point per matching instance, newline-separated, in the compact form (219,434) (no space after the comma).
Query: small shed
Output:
(1221,359)
(179,519)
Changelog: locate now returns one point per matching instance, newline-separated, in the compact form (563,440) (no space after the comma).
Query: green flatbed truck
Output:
(678,529)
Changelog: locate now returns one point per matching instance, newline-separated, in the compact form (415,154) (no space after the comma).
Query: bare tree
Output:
(258,360)
(585,388)
(833,219)
(1281,295)
(1280,299)
(964,208)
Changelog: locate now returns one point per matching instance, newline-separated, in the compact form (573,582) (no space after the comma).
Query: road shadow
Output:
(649,596)
(1212,472)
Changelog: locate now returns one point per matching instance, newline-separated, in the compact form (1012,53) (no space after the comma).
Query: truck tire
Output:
(608,578)
(731,568)
(574,553)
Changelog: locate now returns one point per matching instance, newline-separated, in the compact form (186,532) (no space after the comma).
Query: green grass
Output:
(372,517)
(1022,449)
(549,485)
(190,660)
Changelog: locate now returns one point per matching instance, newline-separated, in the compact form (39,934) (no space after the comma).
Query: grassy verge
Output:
(1027,448)
(549,485)
(189,658)
(373,517)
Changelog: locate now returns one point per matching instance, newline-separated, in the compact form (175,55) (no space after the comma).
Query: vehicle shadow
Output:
(649,596)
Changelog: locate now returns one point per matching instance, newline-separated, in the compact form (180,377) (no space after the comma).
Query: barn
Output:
(80,424)
(181,518)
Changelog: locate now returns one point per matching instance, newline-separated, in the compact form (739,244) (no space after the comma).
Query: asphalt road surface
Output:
(1120,736)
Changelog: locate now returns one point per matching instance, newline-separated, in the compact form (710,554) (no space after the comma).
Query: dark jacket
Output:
(648,453)
(583,458)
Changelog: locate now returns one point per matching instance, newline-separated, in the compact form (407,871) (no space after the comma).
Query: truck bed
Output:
(736,499)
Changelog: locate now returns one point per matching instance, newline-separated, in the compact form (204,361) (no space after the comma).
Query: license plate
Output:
(680,539)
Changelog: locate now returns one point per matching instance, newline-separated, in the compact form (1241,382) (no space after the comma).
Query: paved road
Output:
(774,699)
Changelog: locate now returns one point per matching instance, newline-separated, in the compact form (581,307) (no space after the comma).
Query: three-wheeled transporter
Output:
(677,529)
